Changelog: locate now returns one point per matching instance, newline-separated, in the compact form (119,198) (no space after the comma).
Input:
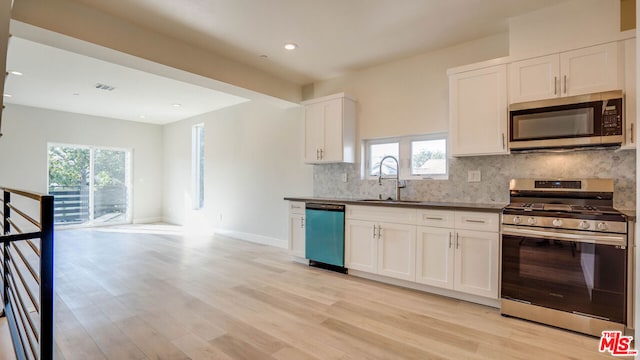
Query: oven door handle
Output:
(552,234)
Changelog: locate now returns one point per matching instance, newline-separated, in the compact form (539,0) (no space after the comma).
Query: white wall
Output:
(253,159)
(27,131)
(571,24)
(410,96)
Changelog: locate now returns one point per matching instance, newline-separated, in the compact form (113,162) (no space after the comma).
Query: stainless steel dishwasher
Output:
(324,235)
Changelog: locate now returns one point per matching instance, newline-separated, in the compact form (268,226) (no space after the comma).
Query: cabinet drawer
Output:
(436,218)
(296,207)
(382,214)
(477,221)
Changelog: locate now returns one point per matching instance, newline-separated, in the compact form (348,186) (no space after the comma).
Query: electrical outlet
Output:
(344,177)
(473,176)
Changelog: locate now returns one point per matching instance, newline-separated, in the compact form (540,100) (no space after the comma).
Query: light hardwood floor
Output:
(125,293)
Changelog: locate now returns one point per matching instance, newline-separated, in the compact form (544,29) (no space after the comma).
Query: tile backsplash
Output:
(496,171)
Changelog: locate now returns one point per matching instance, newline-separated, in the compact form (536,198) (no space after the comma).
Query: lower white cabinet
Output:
(463,257)
(297,229)
(361,246)
(379,247)
(456,250)
(476,263)
(396,251)
(435,257)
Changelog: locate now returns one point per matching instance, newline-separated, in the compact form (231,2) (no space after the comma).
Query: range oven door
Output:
(584,274)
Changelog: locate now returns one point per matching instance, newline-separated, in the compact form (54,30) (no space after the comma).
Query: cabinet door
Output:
(314,132)
(630,104)
(332,149)
(396,251)
(361,250)
(296,235)
(476,263)
(435,257)
(478,111)
(534,79)
(590,70)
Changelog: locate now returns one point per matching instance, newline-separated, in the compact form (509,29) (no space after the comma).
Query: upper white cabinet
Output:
(330,129)
(534,79)
(478,111)
(583,71)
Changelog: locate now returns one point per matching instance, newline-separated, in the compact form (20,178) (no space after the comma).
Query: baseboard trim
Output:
(254,238)
(149,220)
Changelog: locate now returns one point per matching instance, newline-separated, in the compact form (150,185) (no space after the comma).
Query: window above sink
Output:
(420,156)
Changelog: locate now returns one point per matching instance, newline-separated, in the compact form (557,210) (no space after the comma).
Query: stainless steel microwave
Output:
(594,120)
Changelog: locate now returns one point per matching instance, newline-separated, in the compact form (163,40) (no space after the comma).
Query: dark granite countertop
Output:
(405,204)
(629,213)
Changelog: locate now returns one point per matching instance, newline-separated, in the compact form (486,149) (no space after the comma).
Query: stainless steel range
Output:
(564,255)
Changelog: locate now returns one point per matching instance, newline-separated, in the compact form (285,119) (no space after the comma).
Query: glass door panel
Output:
(69,175)
(110,190)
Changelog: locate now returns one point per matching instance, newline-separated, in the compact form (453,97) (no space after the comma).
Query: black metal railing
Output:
(72,204)
(26,252)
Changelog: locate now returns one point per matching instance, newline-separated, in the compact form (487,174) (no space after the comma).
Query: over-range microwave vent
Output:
(565,149)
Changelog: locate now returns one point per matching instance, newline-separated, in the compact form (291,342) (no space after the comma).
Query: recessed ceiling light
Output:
(18,73)
(7,95)
(75,94)
(176,105)
(290,46)
(142,116)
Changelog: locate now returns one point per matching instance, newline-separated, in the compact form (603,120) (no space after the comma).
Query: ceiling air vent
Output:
(106,87)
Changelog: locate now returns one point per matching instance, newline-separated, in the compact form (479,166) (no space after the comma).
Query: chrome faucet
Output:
(399,184)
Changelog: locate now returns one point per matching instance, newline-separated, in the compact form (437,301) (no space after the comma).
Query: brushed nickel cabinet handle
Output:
(475,221)
(374,231)
(301,222)
(433,218)
(555,85)
(457,242)
(449,240)
(503,142)
(631,130)
(565,84)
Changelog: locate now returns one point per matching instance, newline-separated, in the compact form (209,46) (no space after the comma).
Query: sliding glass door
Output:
(90,185)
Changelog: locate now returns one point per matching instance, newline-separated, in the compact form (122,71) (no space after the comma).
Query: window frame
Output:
(405,150)
(197,166)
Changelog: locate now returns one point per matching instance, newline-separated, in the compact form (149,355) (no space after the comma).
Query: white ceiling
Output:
(61,80)
(334,37)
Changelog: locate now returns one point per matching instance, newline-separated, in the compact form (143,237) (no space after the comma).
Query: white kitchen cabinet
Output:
(297,229)
(534,79)
(630,104)
(476,263)
(396,251)
(478,111)
(463,257)
(330,129)
(435,257)
(381,247)
(583,71)
(361,245)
